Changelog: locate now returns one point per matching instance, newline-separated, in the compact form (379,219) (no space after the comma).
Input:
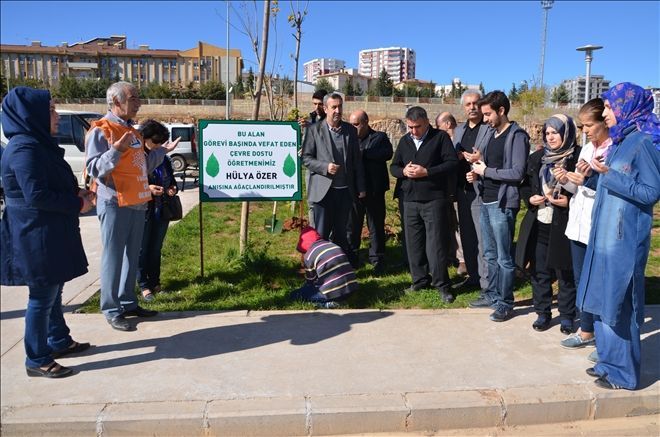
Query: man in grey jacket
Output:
(499,169)
(469,137)
(331,153)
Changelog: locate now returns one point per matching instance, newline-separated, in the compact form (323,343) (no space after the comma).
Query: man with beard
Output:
(499,170)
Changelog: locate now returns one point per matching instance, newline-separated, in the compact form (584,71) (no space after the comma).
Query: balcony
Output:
(83,65)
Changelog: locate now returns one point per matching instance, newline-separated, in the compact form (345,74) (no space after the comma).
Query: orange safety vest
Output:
(130,173)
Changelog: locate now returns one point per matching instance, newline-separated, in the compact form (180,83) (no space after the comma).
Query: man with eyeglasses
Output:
(331,154)
(115,159)
(376,150)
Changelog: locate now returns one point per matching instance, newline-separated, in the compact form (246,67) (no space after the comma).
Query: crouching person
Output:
(329,276)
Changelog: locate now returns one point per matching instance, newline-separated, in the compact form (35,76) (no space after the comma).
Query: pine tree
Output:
(324,84)
(239,88)
(384,85)
(513,93)
(560,95)
(250,82)
(348,89)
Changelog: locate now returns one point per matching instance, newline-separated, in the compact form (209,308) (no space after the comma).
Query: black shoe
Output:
(50,372)
(120,323)
(379,268)
(542,322)
(482,302)
(501,314)
(446,296)
(566,327)
(138,311)
(591,372)
(415,288)
(602,382)
(74,348)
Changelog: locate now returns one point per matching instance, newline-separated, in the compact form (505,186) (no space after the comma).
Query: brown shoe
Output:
(461,270)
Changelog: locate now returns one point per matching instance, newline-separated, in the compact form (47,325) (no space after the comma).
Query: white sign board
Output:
(249,160)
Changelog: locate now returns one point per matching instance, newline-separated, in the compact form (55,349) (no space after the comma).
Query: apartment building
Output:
(317,67)
(110,58)
(399,62)
(578,86)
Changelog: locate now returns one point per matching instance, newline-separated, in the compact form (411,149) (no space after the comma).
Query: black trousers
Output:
(427,230)
(469,212)
(404,249)
(331,217)
(543,277)
(373,206)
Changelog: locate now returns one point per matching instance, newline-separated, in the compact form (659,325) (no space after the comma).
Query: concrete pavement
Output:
(306,373)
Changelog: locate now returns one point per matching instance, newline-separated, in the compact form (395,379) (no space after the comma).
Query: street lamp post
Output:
(588,51)
(227,91)
(588,56)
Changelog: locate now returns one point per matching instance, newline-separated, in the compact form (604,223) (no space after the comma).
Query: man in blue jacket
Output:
(499,169)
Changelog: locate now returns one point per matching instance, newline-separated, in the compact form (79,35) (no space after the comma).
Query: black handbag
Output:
(172,209)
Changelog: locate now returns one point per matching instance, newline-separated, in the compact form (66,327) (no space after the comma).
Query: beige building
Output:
(399,62)
(340,78)
(109,58)
(417,83)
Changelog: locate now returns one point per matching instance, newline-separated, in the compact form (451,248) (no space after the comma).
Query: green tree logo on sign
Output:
(289,167)
(212,166)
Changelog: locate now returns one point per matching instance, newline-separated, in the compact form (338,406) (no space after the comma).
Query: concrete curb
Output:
(341,414)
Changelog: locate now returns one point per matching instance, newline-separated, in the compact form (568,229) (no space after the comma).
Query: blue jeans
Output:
(497,228)
(121,235)
(45,328)
(620,347)
(150,253)
(578,251)
(308,293)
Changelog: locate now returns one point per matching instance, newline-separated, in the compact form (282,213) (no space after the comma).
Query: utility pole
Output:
(546,5)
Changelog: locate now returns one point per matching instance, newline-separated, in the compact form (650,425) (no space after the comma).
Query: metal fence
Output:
(375,99)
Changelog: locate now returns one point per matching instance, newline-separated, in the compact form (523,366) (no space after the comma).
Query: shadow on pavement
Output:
(298,329)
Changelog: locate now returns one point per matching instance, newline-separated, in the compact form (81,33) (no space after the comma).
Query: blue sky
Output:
(494,42)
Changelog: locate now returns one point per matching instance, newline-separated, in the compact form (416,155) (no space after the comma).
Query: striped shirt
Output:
(328,268)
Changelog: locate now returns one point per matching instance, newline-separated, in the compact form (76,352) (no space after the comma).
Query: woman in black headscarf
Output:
(542,243)
(40,234)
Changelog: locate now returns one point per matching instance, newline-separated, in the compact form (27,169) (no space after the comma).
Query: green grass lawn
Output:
(270,269)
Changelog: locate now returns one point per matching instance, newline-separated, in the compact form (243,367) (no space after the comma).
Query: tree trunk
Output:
(296,59)
(245,207)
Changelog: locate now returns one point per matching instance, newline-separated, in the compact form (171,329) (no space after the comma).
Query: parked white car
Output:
(71,137)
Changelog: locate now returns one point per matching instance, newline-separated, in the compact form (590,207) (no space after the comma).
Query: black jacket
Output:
(376,150)
(559,250)
(438,156)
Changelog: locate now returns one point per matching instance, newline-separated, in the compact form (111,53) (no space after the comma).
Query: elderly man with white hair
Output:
(117,163)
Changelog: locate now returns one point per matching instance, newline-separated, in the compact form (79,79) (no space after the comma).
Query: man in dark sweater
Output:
(425,162)
(376,150)
(499,169)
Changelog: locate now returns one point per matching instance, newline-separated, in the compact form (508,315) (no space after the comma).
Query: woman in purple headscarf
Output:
(612,283)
